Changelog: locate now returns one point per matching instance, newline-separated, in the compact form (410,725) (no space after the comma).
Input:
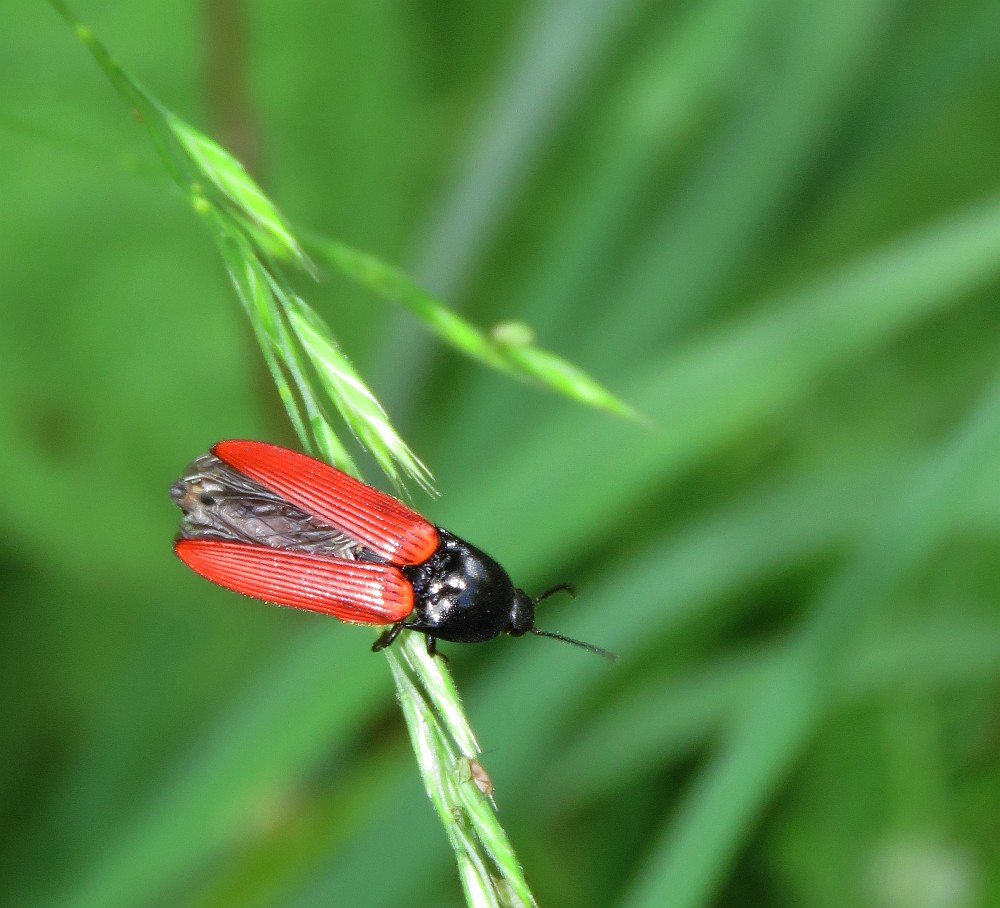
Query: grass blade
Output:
(690,857)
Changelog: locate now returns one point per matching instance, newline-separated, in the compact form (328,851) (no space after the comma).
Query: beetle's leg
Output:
(387,636)
(432,647)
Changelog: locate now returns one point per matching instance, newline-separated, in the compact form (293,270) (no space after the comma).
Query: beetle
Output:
(283,527)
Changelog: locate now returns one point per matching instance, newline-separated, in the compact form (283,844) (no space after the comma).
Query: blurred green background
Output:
(773,226)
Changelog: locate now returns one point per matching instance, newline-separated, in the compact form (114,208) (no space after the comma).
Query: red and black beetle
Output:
(283,527)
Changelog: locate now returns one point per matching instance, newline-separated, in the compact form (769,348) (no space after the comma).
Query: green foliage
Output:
(772,227)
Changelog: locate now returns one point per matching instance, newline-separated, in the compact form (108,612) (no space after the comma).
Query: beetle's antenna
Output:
(569,588)
(597,650)
(552,590)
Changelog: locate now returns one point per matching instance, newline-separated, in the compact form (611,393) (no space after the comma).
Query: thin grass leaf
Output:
(560,375)
(518,357)
(396,286)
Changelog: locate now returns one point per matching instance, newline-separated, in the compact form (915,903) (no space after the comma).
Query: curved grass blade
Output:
(514,354)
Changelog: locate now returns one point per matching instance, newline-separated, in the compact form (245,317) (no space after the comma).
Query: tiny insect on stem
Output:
(478,775)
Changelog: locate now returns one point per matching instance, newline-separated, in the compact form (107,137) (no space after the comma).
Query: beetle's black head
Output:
(522,614)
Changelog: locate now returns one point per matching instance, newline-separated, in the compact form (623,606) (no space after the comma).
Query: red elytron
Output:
(386,526)
(351,590)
